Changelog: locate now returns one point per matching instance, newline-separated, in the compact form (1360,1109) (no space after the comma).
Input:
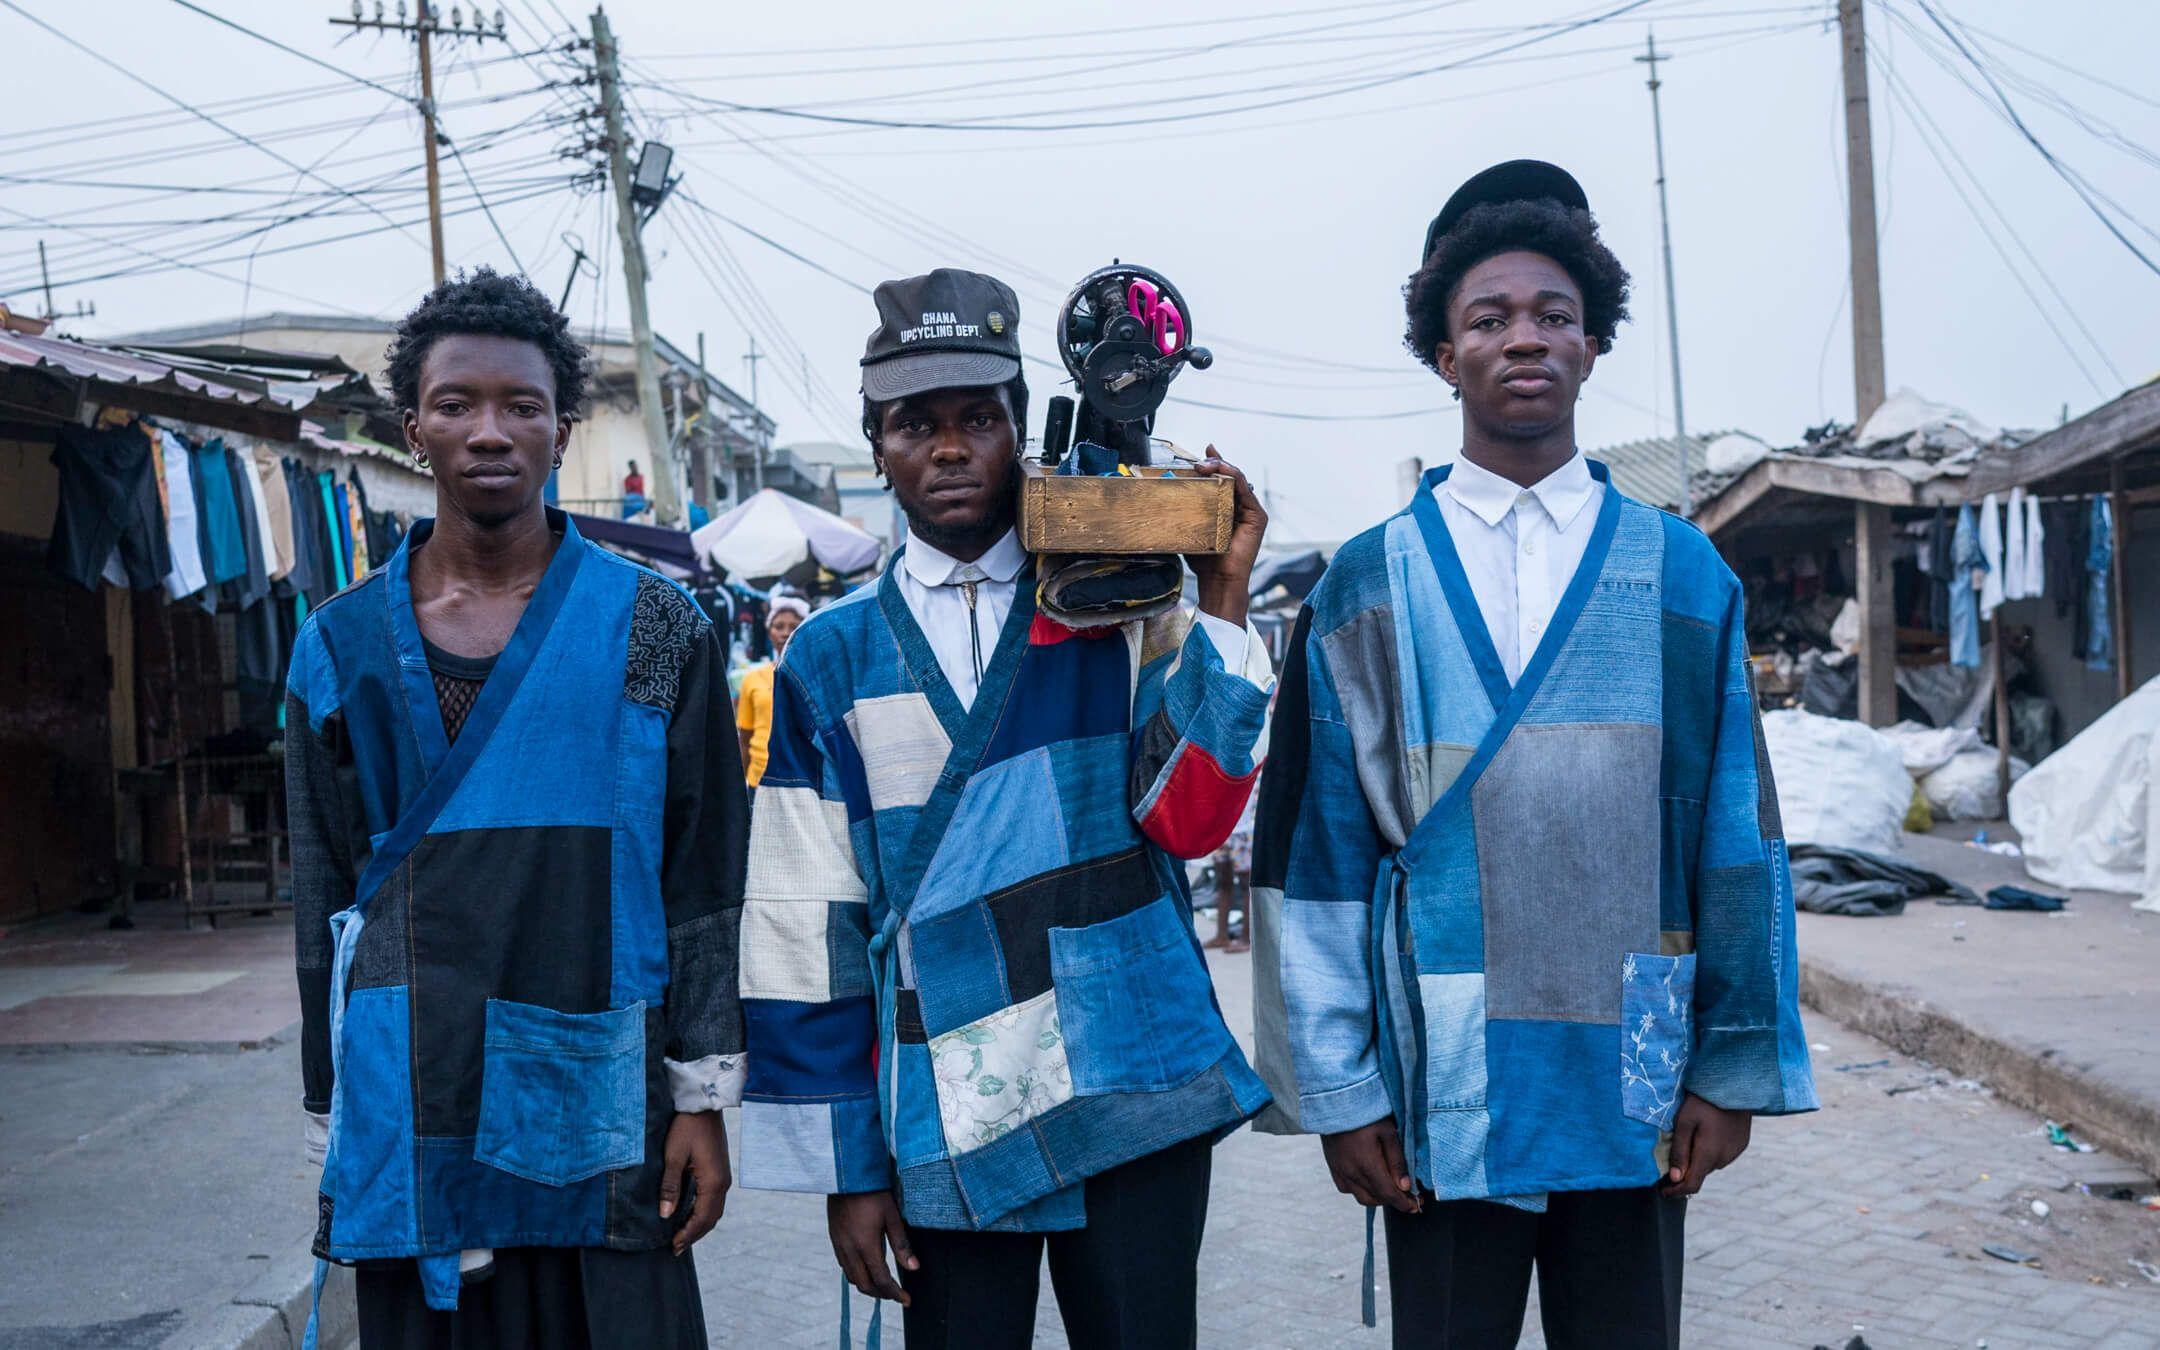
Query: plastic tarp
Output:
(1839,783)
(772,532)
(2087,813)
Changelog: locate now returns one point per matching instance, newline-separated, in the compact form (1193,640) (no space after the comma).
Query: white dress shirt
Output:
(929,580)
(1520,546)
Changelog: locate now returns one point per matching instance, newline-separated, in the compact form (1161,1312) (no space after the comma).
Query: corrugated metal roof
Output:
(1649,470)
(112,365)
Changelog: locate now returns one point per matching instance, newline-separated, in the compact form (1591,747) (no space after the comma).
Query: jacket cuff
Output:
(706,1084)
(1344,1108)
(315,1136)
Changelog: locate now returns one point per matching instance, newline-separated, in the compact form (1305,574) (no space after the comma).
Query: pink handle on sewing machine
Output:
(1165,324)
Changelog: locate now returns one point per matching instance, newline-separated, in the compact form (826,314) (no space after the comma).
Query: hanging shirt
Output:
(1519,546)
(2099,562)
(2014,569)
(930,583)
(182,535)
(2035,550)
(1991,548)
(277,512)
(225,549)
(1967,566)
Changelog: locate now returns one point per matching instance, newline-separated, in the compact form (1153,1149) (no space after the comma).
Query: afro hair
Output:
(1567,235)
(484,301)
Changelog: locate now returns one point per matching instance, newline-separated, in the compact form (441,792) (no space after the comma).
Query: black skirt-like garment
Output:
(540,1298)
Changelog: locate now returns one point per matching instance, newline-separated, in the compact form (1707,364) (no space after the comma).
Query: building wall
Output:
(2082,694)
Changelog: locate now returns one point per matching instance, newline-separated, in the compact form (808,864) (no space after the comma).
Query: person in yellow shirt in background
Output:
(753,703)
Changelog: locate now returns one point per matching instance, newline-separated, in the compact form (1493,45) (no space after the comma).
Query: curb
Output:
(2037,1078)
(271,1312)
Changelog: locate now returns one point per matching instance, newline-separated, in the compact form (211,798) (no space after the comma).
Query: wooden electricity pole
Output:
(666,495)
(423,28)
(1672,303)
(1871,521)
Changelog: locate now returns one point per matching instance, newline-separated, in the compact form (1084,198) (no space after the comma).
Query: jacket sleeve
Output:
(1750,1051)
(323,873)
(1316,853)
(705,834)
(810,1110)
(1200,726)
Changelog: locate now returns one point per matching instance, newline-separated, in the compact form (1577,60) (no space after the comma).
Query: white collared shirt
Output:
(1520,546)
(941,609)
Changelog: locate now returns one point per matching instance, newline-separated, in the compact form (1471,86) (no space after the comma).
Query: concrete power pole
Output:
(700,444)
(757,418)
(1871,522)
(1672,302)
(666,496)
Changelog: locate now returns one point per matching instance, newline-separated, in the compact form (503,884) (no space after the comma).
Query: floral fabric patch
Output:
(1657,1032)
(996,1074)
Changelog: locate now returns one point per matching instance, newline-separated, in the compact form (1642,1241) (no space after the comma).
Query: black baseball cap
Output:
(948,329)
(1518,180)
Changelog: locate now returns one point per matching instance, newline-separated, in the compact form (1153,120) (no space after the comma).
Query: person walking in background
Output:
(518,828)
(753,700)
(633,492)
(1523,924)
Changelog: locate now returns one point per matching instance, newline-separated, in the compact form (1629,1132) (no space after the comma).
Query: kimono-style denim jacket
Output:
(968,958)
(1523,918)
(517,948)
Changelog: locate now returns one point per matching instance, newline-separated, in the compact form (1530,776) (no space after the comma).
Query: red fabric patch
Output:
(1048,632)
(1199,807)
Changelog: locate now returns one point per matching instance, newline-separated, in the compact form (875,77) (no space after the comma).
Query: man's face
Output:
(1516,346)
(951,457)
(487,423)
(780,628)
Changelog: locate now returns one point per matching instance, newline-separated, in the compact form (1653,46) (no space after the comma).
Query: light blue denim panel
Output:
(1005,830)
(788,1146)
(562,1095)
(1610,668)
(370,1175)
(1445,894)
(1453,1167)
(1454,1040)
(1568,836)
(1134,1002)
(1327,991)
(530,773)
(1092,789)
(1361,674)
(1657,1034)
(1442,699)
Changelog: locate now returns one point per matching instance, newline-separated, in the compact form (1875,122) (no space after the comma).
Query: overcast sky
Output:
(1290,228)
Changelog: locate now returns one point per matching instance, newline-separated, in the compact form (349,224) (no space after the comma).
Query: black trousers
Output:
(540,1298)
(1128,1280)
(1608,1269)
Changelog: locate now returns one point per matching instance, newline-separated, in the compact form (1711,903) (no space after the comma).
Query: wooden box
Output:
(1148,513)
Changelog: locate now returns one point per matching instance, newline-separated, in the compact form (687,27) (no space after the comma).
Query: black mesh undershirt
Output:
(457,684)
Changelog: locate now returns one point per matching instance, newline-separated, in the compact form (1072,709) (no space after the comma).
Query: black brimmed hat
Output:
(948,329)
(1518,180)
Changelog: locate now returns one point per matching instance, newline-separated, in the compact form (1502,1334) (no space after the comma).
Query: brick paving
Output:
(1866,1218)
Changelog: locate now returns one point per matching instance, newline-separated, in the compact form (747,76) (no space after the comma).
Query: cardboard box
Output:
(1149,513)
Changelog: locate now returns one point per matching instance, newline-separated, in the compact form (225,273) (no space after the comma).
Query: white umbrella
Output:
(772,532)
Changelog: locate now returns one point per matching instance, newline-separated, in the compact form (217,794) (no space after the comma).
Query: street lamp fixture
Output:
(649,182)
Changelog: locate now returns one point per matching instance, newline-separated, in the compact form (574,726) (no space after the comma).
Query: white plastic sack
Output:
(1927,749)
(2085,813)
(1964,787)
(1839,782)
(1734,452)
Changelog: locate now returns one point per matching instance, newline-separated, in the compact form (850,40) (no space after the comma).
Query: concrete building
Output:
(607,438)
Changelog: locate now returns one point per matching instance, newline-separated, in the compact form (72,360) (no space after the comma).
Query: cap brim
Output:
(921,372)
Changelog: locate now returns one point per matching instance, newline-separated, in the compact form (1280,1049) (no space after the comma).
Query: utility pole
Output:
(667,502)
(1672,301)
(1871,521)
(700,444)
(423,28)
(45,275)
(757,418)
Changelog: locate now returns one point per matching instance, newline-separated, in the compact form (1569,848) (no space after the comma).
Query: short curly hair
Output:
(1567,235)
(486,302)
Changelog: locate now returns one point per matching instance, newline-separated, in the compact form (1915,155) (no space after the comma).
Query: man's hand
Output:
(697,1145)
(1367,1164)
(862,1226)
(1704,1138)
(1225,578)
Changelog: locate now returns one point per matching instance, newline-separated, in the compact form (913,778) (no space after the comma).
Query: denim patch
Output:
(562,1095)
(1657,1015)
(370,1170)
(1136,1009)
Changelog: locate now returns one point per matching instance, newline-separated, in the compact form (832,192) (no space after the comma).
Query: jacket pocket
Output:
(1657,1033)
(562,1095)
(1133,997)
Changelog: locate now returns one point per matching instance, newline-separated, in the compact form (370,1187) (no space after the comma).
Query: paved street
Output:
(1866,1218)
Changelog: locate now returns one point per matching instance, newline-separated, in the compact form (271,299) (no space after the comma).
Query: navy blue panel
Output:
(1075,689)
(810,1051)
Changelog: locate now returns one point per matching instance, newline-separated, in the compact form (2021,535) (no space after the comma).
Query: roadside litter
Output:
(2017,897)
(1833,880)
